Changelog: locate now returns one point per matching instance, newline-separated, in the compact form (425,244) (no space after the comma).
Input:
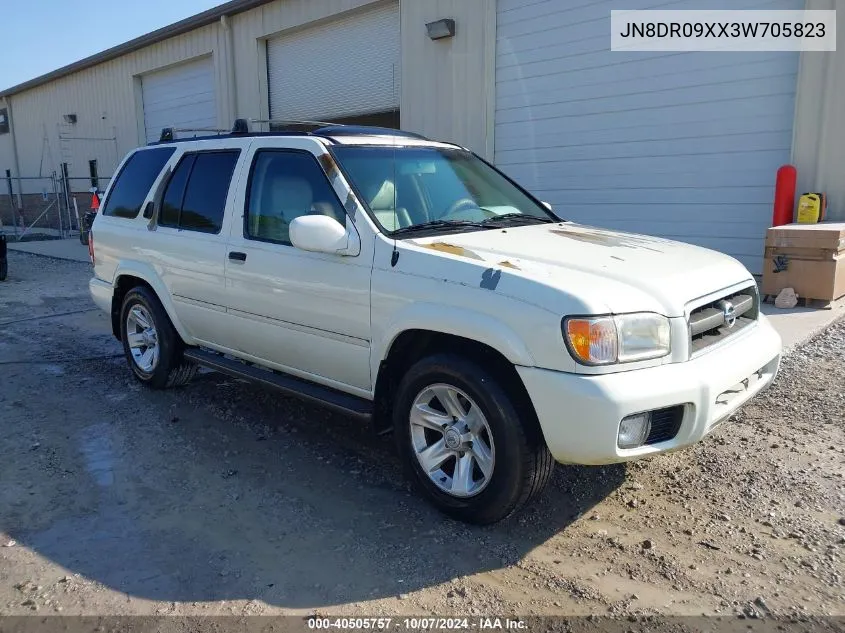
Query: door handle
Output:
(237,256)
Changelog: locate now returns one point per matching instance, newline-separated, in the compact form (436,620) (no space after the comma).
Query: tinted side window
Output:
(171,204)
(134,181)
(205,195)
(283,186)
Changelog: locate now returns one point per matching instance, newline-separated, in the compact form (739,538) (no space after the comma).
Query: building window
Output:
(4,121)
(92,169)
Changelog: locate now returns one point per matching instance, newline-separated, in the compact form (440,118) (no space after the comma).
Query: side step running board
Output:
(318,394)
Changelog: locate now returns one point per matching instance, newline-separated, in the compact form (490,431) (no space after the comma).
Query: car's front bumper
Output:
(580,414)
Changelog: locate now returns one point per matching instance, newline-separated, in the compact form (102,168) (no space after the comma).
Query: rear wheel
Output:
(152,346)
(466,448)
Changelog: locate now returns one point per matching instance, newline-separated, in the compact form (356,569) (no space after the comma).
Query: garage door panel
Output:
(182,97)
(691,115)
(199,100)
(512,140)
(624,182)
(531,175)
(616,214)
(594,69)
(346,67)
(651,99)
(163,87)
(696,146)
(670,196)
(601,87)
(533,20)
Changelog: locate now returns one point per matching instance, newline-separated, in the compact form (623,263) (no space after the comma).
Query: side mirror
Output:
(547,205)
(319,233)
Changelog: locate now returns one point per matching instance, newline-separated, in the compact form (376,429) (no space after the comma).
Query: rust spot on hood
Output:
(606,238)
(460,251)
(508,264)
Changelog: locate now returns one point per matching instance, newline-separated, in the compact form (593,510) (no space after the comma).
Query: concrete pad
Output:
(796,325)
(70,249)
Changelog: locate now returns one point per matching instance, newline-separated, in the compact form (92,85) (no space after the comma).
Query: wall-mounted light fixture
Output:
(441,28)
(69,118)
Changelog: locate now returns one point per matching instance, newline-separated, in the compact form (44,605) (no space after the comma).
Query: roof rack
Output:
(323,129)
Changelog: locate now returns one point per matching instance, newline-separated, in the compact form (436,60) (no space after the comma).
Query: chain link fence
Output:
(45,206)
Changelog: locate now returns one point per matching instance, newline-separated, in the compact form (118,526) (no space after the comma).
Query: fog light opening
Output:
(633,430)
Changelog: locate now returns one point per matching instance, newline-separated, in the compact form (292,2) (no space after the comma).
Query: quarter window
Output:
(195,199)
(285,185)
(134,181)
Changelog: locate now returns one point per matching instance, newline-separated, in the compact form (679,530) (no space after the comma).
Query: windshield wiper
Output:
(435,225)
(509,217)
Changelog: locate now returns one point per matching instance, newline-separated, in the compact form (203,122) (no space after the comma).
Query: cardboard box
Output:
(810,258)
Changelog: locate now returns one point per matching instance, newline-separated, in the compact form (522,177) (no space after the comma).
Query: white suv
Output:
(411,284)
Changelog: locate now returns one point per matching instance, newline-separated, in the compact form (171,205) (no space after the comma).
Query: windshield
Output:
(418,187)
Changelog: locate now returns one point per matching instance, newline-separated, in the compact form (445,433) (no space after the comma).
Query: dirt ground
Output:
(224,498)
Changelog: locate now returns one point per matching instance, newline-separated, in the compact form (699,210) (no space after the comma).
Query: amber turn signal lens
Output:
(592,341)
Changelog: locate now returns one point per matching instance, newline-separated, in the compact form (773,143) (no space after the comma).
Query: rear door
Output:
(191,233)
(301,312)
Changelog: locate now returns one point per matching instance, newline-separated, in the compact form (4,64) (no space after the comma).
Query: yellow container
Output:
(809,208)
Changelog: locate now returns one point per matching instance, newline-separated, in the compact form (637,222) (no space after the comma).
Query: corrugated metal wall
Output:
(106,100)
(448,84)
(684,146)
(449,96)
(819,152)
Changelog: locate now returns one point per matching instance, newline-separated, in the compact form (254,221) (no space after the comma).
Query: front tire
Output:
(151,344)
(466,448)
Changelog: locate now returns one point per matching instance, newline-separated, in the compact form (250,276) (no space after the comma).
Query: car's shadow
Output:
(226,491)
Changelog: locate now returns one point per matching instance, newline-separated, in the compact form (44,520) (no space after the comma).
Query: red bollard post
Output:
(785,195)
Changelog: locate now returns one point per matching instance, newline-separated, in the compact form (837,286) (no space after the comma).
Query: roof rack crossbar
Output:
(292,122)
(168,133)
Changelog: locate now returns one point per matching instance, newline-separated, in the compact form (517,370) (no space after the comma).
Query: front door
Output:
(302,312)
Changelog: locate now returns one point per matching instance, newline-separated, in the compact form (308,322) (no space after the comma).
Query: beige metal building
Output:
(684,146)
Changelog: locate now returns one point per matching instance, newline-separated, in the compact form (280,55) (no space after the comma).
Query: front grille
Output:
(723,318)
(665,424)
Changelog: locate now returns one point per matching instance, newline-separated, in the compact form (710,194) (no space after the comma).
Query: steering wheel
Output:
(460,208)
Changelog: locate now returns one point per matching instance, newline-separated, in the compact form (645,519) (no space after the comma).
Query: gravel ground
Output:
(223,498)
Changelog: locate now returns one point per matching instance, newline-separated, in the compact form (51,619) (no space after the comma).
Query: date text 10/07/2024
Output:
(417,623)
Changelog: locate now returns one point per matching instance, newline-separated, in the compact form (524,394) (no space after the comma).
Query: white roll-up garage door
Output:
(180,97)
(683,146)
(343,68)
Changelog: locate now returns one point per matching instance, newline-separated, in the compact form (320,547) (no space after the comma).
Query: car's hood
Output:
(622,271)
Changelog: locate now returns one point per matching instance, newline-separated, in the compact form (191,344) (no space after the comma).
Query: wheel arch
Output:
(129,276)
(413,344)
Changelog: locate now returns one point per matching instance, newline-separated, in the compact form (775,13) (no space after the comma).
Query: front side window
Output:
(285,185)
(134,181)
(195,198)
(407,187)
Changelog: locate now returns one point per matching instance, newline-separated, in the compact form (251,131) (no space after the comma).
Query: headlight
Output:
(624,338)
